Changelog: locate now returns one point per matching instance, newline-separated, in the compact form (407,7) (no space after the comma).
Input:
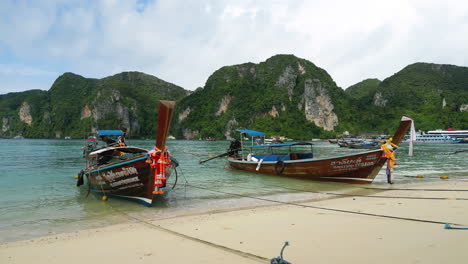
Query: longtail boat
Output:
(129,172)
(297,160)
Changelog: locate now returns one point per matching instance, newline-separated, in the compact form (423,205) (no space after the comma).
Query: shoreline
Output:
(255,234)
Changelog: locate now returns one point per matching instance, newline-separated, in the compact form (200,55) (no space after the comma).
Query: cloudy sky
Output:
(185,41)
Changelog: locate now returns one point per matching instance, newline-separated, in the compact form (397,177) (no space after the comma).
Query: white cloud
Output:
(186,41)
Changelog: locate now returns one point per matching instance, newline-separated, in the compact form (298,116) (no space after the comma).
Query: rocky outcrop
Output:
(301,68)
(191,134)
(223,106)
(111,106)
(379,100)
(230,127)
(184,114)
(245,70)
(5,124)
(25,113)
(287,81)
(85,112)
(464,108)
(273,112)
(318,106)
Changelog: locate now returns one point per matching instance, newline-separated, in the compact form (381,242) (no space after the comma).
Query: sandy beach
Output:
(351,229)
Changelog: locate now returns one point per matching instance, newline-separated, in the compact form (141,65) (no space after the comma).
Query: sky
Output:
(185,41)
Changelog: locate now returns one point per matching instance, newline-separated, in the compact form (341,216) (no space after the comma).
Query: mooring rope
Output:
(370,196)
(413,189)
(325,208)
(218,246)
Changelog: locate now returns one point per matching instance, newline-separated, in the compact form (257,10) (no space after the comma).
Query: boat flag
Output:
(412,139)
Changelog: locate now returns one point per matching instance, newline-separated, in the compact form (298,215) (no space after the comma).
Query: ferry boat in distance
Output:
(449,132)
(428,138)
(440,136)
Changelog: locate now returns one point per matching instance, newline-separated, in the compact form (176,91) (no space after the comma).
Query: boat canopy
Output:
(283,145)
(110,132)
(252,132)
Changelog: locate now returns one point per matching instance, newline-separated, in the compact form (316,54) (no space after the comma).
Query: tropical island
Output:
(284,95)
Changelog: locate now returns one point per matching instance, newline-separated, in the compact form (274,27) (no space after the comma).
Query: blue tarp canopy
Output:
(110,132)
(252,133)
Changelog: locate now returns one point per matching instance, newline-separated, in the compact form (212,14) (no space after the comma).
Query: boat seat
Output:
(304,155)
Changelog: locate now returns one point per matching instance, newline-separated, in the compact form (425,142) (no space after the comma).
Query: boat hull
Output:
(359,168)
(130,179)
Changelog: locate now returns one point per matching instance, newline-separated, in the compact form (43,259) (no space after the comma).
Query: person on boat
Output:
(234,148)
(389,153)
(121,139)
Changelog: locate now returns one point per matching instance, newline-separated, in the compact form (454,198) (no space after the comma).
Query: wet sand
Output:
(350,229)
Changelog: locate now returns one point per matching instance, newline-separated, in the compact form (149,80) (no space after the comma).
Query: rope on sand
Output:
(324,208)
(363,195)
(412,189)
(224,248)
(372,196)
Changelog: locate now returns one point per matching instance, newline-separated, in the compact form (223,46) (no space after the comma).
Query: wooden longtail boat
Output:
(130,172)
(359,168)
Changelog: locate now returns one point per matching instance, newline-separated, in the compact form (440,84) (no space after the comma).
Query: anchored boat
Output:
(129,172)
(297,160)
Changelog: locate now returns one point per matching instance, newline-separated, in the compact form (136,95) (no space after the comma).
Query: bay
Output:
(39,194)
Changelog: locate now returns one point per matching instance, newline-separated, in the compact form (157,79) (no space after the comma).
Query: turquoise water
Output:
(39,194)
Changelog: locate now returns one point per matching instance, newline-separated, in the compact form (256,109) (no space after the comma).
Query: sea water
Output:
(38,193)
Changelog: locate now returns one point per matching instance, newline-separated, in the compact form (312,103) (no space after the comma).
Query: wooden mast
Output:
(165,111)
(405,123)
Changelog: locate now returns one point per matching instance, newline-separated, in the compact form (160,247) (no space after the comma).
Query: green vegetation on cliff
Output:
(75,106)
(279,96)
(432,94)
(363,89)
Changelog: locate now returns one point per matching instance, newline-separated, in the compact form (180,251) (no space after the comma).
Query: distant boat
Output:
(210,139)
(297,160)
(18,137)
(449,132)
(364,145)
(171,138)
(433,138)
(67,137)
(129,172)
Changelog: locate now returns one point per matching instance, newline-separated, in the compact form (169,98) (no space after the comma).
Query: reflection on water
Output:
(40,197)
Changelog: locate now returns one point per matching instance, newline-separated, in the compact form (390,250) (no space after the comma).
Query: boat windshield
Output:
(114,154)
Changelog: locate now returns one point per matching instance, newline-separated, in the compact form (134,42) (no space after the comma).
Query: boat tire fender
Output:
(279,167)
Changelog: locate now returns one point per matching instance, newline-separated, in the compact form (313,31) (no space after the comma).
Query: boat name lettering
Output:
(126,181)
(345,162)
(112,175)
(138,184)
(352,166)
